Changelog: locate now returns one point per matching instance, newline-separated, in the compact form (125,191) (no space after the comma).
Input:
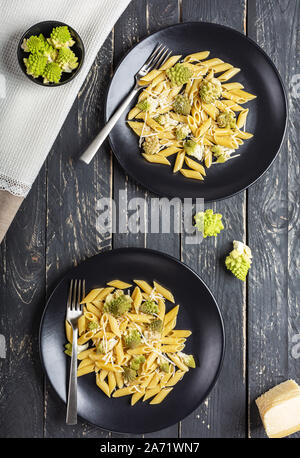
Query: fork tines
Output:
(157,58)
(76,294)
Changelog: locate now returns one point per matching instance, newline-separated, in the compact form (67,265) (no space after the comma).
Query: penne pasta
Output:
(204,110)
(132,347)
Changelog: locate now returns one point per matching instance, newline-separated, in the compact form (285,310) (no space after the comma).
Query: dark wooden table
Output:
(55,229)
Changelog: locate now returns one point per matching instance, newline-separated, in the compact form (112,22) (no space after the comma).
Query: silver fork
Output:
(74,311)
(155,60)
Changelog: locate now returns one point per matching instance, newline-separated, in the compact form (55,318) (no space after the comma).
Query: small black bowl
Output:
(45,28)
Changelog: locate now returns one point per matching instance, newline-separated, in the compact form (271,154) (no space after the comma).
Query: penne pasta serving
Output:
(128,339)
(190,112)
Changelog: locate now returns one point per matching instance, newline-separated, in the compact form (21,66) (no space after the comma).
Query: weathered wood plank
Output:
(139,19)
(223,413)
(73,192)
(22,294)
(273,224)
(162,14)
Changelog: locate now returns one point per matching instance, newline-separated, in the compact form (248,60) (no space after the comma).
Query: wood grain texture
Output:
(58,226)
(223,413)
(22,295)
(274,224)
(73,190)
(139,19)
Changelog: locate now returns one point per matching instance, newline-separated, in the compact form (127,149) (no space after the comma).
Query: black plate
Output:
(45,27)
(266,119)
(198,312)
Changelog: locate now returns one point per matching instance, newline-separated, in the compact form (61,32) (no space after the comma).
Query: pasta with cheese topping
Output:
(188,111)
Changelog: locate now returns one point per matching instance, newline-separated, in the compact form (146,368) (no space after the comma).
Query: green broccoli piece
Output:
(193,149)
(239,260)
(117,304)
(35,65)
(210,91)
(165,120)
(156,325)
(221,153)
(132,339)
(136,362)
(148,104)
(144,105)
(52,73)
(179,74)
(33,44)
(68,349)
(80,348)
(129,374)
(48,50)
(182,105)
(93,325)
(226,120)
(161,119)
(151,144)
(67,60)
(182,131)
(100,349)
(149,307)
(208,223)
(165,367)
(188,360)
(60,37)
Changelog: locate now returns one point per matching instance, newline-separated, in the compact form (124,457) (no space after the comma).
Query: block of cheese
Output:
(279,409)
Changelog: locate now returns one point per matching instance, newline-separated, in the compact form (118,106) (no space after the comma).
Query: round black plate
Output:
(198,312)
(45,28)
(266,119)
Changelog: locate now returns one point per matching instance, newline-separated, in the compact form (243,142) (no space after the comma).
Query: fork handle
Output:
(71,418)
(92,149)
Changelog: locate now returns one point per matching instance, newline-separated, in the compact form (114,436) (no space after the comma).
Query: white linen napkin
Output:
(31,116)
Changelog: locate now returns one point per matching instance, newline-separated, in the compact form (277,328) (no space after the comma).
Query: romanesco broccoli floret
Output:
(68,349)
(106,345)
(239,260)
(132,339)
(80,348)
(67,60)
(209,223)
(136,362)
(151,144)
(148,104)
(179,74)
(117,303)
(33,44)
(182,105)
(92,325)
(193,149)
(156,325)
(182,131)
(149,307)
(35,65)
(100,349)
(50,53)
(60,37)
(226,120)
(166,121)
(129,374)
(48,50)
(187,359)
(165,367)
(210,91)
(52,73)
(221,153)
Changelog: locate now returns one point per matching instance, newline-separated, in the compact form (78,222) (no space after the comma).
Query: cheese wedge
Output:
(279,409)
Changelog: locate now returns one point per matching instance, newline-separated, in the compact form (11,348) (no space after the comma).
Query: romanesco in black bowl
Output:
(50,53)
